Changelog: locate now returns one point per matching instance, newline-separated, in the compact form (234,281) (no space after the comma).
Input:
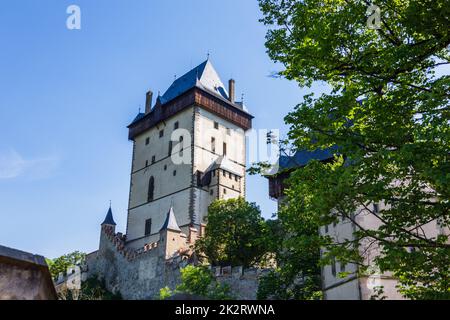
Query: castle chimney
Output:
(148,101)
(231,90)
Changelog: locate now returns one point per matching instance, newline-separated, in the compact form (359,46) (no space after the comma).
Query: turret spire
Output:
(171,222)
(109,220)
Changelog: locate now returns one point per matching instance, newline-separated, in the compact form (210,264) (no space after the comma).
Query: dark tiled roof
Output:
(109,218)
(301,159)
(139,116)
(203,76)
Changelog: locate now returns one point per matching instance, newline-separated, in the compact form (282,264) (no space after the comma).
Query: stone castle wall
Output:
(140,274)
(136,274)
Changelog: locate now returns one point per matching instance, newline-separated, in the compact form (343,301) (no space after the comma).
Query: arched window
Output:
(151,189)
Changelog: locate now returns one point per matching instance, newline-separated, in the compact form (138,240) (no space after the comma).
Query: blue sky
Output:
(68,95)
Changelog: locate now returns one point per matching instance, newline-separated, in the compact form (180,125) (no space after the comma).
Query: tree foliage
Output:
(297,255)
(388,112)
(60,264)
(235,234)
(91,289)
(198,281)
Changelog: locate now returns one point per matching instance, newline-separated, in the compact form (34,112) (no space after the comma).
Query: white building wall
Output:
(172,181)
(181,190)
(338,288)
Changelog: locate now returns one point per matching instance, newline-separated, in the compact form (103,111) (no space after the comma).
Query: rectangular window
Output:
(224,173)
(146,163)
(161,133)
(148,227)
(213,144)
(199,178)
(147,141)
(236,178)
(326,229)
(231,176)
(175,125)
(211,192)
(170,147)
(153,159)
(376,208)
(216,125)
(224,191)
(224,149)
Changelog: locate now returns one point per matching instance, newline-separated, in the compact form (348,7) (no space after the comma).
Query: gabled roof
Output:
(203,76)
(301,159)
(109,218)
(171,222)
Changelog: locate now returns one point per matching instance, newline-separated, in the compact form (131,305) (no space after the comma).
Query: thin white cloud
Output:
(13,165)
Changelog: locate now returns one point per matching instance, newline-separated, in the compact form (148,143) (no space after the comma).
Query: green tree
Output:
(297,255)
(235,234)
(199,281)
(388,111)
(60,264)
(91,289)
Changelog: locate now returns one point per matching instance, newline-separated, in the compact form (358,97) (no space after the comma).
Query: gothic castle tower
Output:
(189,149)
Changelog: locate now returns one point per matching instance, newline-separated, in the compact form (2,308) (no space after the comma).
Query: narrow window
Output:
(148,227)
(213,144)
(165,167)
(236,177)
(151,189)
(231,175)
(224,191)
(224,149)
(153,159)
(326,229)
(174,173)
(211,192)
(175,125)
(161,133)
(216,125)
(147,141)
(170,147)
(181,146)
(376,208)
(342,266)
(146,163)
(224,173)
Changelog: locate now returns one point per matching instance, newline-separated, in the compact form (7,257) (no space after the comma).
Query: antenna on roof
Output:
(242,98)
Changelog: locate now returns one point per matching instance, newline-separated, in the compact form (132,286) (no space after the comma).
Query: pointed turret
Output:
(171,222)
(171,239)
(109,220)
